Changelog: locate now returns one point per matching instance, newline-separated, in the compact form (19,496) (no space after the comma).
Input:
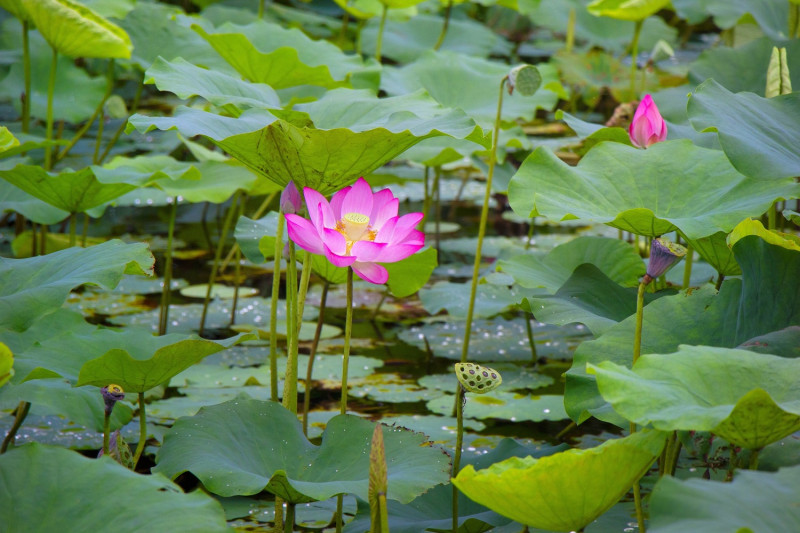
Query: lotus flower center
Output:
(354,226)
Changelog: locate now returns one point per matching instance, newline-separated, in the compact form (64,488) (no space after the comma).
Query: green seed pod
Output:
(476,378)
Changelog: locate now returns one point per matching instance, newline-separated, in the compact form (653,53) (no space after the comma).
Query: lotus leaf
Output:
(506,405)
(6,364)
(672,184)
(565,491)
(15,199)
(770,15)
(755,501)
(756,137)
(714,249)
(244,447)
(784,342)
(39,285)
(76,31)
(626,9)
(748,398)
(29,496)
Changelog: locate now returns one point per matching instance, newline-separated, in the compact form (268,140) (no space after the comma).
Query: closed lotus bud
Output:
(290,200)
(647,126)
(112,394)
(664,254)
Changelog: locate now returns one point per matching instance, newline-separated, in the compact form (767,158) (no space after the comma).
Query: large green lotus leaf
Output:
(784,342)
(405,41)
(506,405)
(743,68)
(588,297)
(6,364)
(15,7)
(748,398)
(454,298)
(565,491)
(439,151)
(715,251)
(433,510)
(698,317)
(355,133)
(610,34)
(39,285)
(87,496)
(770,15)
(265,52)
(144,169)
(218,182)
(756,133)
(613,257)
(408,276)
(15,199)
(755,501)
(146,362)
(76,31)
(82,405)
(471,84)
(187,80)
(626,9)
(672,184)
(244,447)
(74,192)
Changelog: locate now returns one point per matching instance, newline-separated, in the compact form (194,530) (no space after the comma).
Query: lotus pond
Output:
(400,265)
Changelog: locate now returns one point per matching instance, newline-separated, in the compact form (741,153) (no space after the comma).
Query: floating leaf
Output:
(39,285)
(505,405)
(29,496)
(755,501)
(672,184)
(747,398)
(281,460)
(565,491)
(76,31)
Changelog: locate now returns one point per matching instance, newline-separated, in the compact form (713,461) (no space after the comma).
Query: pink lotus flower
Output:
(357,228)
(290,199)
(647,126)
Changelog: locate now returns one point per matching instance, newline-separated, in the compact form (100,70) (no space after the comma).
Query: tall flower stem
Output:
(446,25)
(256,215)
(437,205)
(51,88)
(531,340)
(22,412)
(290,380)
(237,270)
(142,431)
(426,203)
(26,65)
(753,465)
(570,40)
(290,384)
(106,431)
(772,216)
(289,522)
(273,315)
(226,225)
(134,108)
(459,445)
(348,330)
(637,350)
(687,268)
(323,301)
(379,43)
(73,229)
(637,30)
(166,289)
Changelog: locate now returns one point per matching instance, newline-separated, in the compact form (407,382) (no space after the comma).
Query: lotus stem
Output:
(142,431)
(446,25)
(73,229)
(343,31)
(380,304)
(115,137)
(426,203)
(348,330)
(437,206)
(26,65)
(720,279)
(288,523)
(460,399)
(531,341)
(379,42)
(666,453)
(482,225)
(273,316)
(339,512)
(570,31)
(106,431)
(51,87)
(301,294)
(772,216)
(237,271)
(258,213)
(290,379)
(384,510)
(753,465)
(261,9)
(85,230)
(166,289)
(687,267)
(637,30)
(637,498)
(217,256)
(323,301)
(731,464)
(531,231)
(21,413)
(637,336)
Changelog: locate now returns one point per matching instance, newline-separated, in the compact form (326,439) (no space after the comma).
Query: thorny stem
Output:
(217,256)
(22,411)
(142,431)
(446,25)
(273,316)
(312,354)
(166,289)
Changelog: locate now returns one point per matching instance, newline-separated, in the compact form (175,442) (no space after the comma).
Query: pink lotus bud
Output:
(290,199)
(647,126)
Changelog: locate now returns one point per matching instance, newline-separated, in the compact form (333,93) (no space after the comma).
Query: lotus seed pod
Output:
(525,79)
(664,254)
(112,393)
(476,378)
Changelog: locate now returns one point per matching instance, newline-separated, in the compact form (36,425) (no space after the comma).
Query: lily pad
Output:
(39,285)
(758,136)
(454,298)
(27,483)
(224,292)
(564,491)
(505,405)
(747,398)
(755,501)
(671,185)
(283,462)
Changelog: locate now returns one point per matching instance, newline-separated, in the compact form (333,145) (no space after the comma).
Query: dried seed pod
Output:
(476,378)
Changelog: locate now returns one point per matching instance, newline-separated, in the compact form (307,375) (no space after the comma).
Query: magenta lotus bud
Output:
(290,200)
(111,395)
(647,126)
(357,228)
(664,254)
